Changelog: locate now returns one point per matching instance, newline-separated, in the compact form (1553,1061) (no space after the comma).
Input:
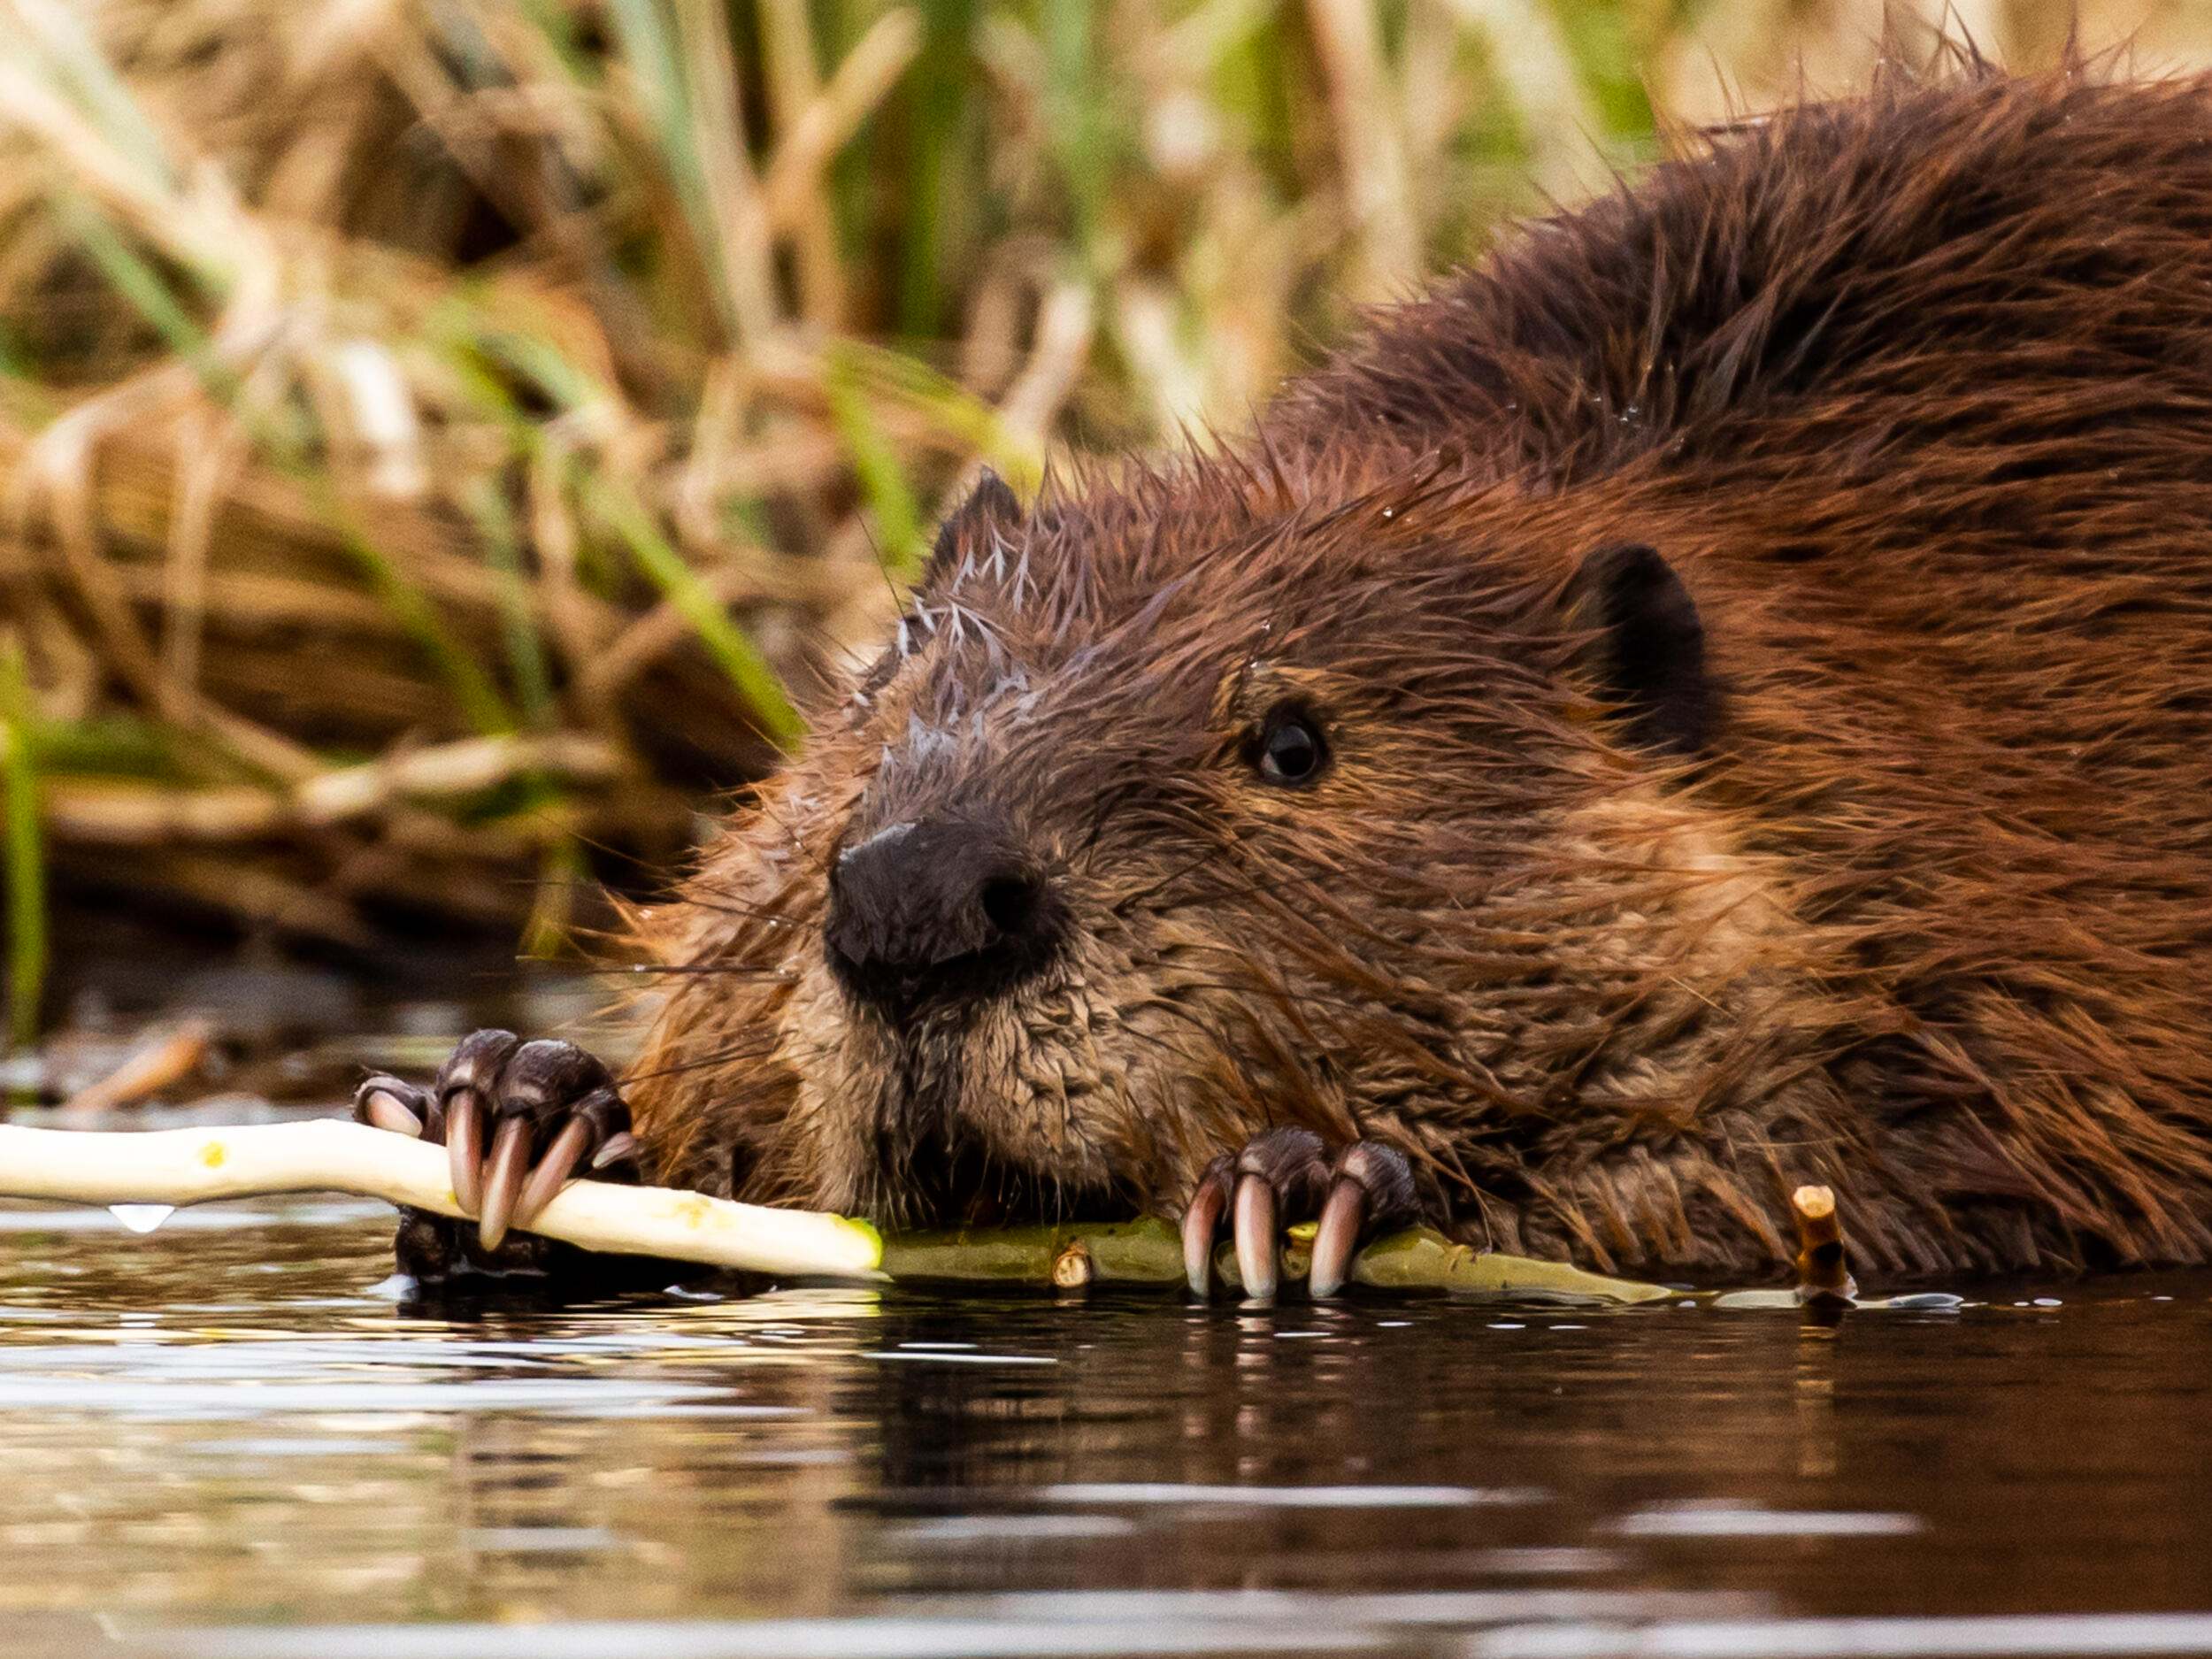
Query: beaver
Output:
(1716,696)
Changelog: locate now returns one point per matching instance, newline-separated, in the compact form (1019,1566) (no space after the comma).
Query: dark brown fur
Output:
(1915,396)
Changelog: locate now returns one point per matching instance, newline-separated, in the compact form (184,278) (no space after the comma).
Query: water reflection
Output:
(217,1430)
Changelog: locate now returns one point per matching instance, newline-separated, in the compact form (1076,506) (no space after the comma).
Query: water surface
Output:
(221,1439)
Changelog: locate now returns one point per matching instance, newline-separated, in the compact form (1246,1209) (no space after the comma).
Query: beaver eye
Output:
(1289,749)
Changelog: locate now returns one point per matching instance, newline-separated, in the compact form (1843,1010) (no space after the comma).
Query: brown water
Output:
(223,1438)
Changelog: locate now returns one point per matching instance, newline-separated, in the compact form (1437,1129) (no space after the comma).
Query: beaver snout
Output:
(939,910)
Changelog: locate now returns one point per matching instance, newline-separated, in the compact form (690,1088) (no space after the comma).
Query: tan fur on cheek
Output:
(1721,911)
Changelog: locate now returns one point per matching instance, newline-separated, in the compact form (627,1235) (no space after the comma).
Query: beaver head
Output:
(1176,812)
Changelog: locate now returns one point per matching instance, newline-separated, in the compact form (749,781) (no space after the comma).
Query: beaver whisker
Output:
(731,1056)
(731,901)
(786,975)
(1140,898)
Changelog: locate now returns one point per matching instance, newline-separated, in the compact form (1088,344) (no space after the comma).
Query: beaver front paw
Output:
(1286,1176)
(518,1119)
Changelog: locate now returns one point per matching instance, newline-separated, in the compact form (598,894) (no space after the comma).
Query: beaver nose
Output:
(946,908)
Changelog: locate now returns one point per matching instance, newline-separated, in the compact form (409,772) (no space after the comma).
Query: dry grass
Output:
(436,433)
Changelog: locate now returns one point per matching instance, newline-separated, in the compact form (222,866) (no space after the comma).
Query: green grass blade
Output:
(526,658)
(75,63)
(882,480)
(1606,56)
(480,703)
(948,405)
(25,852)
(652,45)
(1076,119)
(647,39)
(557,30)
(739,658)
(936,108)
(144,289)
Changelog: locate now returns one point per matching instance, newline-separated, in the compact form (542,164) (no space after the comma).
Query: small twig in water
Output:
(1822,1273)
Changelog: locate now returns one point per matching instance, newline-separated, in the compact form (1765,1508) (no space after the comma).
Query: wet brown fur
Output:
(1914,394)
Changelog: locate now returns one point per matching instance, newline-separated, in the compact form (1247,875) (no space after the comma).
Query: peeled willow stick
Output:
(190,1166)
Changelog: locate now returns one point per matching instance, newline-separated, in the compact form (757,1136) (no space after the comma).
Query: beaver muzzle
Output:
(942,911)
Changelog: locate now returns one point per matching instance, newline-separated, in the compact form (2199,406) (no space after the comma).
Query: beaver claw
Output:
(546,1106)
(1370,1188)
(1284,1176)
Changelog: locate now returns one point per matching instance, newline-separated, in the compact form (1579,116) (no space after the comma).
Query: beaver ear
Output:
(990,506)
(1647,645)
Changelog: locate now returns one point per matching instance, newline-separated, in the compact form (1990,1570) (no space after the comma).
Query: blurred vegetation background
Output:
(442,441)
